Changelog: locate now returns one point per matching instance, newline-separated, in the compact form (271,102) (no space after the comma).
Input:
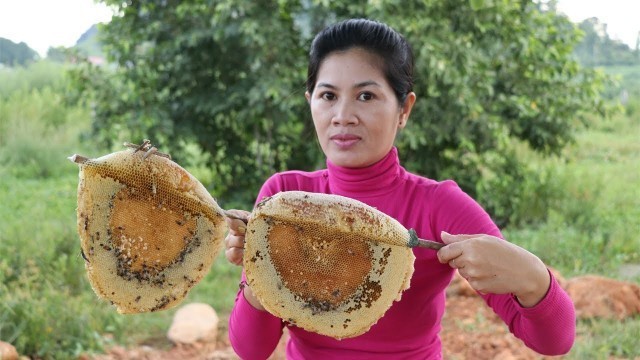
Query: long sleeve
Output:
(548,328)
(409,329)
(254,334)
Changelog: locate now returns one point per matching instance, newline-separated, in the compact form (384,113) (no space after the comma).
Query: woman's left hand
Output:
(493,265)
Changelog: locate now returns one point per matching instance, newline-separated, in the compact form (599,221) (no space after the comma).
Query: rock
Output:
(8,351)
(192,323)
(600,297)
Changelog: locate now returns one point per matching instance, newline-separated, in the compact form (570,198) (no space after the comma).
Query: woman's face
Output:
(355,111)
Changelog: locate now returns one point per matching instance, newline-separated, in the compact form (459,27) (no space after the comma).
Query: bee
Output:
(83,255)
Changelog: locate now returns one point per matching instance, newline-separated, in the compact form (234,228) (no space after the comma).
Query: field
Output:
(48,310)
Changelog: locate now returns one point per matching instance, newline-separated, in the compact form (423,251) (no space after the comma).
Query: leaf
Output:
(476,4)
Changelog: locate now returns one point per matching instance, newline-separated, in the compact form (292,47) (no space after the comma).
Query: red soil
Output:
(470,330)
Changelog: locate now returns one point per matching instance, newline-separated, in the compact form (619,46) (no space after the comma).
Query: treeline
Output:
(598,49)
(20,54)
(228,76)
(15,54)
(215,85)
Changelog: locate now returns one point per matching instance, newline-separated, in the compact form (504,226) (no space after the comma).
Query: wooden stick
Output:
(429,244)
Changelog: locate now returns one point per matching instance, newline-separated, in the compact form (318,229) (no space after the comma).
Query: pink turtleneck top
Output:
(409,329)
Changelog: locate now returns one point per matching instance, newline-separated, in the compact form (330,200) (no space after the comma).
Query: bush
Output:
(37,75)
(592,223)
(521,199)
(38,131)
(43,291)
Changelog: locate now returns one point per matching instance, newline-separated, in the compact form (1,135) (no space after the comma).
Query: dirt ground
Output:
(470,330)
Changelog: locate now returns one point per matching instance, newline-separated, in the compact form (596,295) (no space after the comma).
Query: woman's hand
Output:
(234,242)
(493,265)
(234,249)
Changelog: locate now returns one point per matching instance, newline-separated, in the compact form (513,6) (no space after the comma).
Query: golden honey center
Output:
(147,233)
(319,265)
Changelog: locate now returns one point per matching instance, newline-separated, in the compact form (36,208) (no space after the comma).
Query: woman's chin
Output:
(349,159)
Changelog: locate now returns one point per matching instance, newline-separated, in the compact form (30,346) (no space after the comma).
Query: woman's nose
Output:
(344,114)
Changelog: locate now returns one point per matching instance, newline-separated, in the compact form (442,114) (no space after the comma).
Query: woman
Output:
(359,90)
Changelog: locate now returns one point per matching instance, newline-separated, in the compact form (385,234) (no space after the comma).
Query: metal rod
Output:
(429,244)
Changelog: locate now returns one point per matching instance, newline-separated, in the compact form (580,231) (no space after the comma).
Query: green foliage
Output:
(495,76)
(594,220)
(37,131)
(525,196)
(89,42)
(607,339)
(46,306)
(48,310)
(229,76)
(633,107)
(625,88)
(57,54)
(43,293)
(598,49)
(209,74)
(12,54)
(34,77)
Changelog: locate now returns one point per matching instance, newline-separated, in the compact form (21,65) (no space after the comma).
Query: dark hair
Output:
(390,46)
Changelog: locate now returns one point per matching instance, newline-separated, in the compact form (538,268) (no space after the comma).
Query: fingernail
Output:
(444,233)
(242,229)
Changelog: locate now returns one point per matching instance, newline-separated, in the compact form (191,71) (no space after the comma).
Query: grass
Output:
(48,310)
(594,228)
(628,76)
(47,307)
(607,339)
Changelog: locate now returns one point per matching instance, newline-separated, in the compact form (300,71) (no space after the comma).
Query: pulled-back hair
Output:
(390,46)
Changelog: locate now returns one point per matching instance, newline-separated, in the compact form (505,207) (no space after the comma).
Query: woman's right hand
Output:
(234,242)
(234,249)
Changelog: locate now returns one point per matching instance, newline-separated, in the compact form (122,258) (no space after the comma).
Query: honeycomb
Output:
(149,231)
(326,263)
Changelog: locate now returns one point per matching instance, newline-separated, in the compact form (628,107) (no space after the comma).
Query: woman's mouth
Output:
(345,141)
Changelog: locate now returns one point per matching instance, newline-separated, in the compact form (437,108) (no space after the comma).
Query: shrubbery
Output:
(580,213)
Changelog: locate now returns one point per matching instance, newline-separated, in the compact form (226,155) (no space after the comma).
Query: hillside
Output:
(14,54)
(89,43)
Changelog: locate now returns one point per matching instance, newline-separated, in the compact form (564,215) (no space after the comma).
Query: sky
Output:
(621,16)
(45,23)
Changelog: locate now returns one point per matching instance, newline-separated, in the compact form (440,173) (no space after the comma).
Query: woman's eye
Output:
(327,96)
(365,96)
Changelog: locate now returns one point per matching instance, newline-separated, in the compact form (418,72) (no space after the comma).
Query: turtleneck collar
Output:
(373,180)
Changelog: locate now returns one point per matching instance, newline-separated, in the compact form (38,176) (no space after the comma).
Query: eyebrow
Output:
(357,86)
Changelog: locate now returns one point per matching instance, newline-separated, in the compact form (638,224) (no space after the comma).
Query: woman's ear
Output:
(308,96)
(405,111)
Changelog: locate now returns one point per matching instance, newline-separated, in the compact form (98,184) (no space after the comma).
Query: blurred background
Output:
(533,107)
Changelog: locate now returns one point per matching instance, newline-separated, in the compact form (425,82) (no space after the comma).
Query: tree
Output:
(58,54)
(14,54)
(229,75)
(598,49)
